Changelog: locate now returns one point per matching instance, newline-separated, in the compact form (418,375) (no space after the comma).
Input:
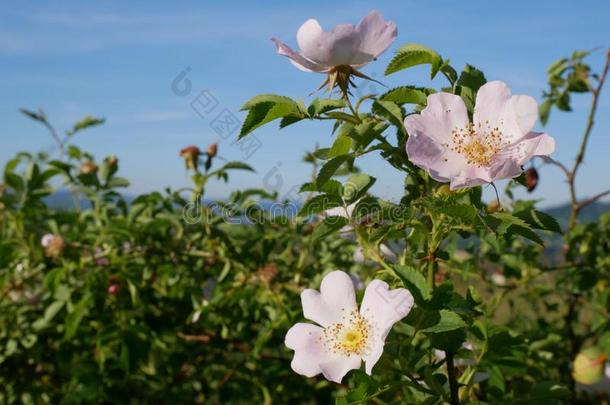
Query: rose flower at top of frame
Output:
(341,51)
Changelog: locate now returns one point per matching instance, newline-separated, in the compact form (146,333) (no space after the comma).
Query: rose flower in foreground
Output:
(494,146)
(346,336)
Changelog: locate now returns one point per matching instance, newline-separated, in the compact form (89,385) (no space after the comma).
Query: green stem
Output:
(453,384)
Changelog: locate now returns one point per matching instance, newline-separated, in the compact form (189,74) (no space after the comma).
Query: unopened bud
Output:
(88,167)
(531,179)
(191,156)
(212,150)
(589,366)
(112,161)
(493,206)
(113,289)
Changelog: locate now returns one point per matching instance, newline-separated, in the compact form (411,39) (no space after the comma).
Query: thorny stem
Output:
(351,108)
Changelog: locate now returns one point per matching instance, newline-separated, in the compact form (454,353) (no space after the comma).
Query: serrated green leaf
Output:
(448,321)
(341,146)
(407,95)
(328,226)
(412,55)
(329,169)
(415,282)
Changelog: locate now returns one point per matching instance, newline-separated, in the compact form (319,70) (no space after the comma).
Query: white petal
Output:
(376,36)
(429,140)
(471,176)
(336,297)
(526,110)
(337,366)
(382,307)
(304,339)
(297,59)
(494,108)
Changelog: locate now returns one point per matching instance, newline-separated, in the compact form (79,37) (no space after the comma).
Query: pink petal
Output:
(495,108)
(297,59)
(471,176)
(346,44)
(309,351)
(336,297)
(526,110)
(430,140)
(376,36)
(383,307)
(532,144)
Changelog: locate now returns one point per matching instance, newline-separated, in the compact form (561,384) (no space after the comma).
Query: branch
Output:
(583,145)
(591,200)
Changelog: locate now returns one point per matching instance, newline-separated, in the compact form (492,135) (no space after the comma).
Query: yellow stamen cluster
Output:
(478,144)
(350,336)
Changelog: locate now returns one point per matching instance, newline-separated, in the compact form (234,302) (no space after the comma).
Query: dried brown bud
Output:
(212,150)
(531,179)
(88,167)
(2,188)
(268,272)
(191,156)
(53,245)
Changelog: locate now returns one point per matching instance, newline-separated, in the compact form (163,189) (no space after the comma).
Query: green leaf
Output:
(74,318)
(390,110)
(539,220)
(512,225)
(407,95)
(415,282)
(412,55)
(356,186)
(544,110)
(448,321)
(341,146)
(86,122)
(329,169)
(321,106)
(266,108)
(237,166)
(318,204)
(328,226)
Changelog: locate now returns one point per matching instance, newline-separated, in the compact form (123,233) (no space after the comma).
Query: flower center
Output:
(478,144)
(350,336)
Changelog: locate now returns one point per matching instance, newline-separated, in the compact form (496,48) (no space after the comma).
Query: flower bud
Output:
(493,206)
(112,161)
(443,190)
(53,245)
(212,150)
(88,167)
(531,179)
(113,289)
(191,156)
(589,366)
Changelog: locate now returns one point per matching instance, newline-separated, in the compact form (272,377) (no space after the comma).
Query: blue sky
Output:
(118,60)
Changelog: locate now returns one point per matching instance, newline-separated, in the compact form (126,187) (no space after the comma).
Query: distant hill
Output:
(62,200)
(590,213)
